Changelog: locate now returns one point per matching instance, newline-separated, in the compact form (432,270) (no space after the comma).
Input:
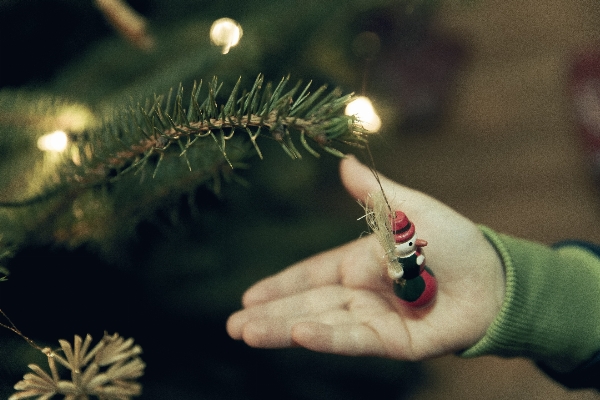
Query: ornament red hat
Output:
(402,228)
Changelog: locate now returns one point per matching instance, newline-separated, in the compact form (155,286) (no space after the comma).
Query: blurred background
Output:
(490,106)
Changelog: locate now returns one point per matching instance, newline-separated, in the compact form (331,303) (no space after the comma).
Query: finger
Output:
(278,332)
(267,334)
(359,180)
(270,324)
(344,339)
(289,310)
(440,224)
(355,264)
(318,270)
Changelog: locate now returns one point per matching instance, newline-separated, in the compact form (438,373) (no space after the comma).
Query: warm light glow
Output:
(74,118)
(362,108)
(225,32)
(56,141)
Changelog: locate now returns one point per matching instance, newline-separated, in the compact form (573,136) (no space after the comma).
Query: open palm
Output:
(341,301)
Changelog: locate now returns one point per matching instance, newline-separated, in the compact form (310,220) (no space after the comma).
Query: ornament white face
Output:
(407,248)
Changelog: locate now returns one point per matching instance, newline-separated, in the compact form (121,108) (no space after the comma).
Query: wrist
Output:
(550,309)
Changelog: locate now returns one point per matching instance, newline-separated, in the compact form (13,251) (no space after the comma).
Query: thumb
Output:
(450,231)
(360,181)
(357,178)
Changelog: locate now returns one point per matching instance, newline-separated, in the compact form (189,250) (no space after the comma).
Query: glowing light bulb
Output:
(363,110)
(225,32)
(56,142)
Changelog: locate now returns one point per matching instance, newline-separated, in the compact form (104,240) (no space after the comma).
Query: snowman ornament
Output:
(414,282)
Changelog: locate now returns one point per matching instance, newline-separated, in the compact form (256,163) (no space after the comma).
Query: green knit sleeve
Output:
(551,310)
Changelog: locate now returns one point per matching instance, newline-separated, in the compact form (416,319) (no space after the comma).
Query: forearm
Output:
(551,311)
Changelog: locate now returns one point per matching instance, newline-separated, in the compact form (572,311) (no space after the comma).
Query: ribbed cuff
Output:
(551,310)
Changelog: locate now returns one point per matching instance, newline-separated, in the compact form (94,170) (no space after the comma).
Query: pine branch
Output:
(163,125)
(118,172)
(121,145)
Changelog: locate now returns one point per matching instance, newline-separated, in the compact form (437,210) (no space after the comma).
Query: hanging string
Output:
(13,328)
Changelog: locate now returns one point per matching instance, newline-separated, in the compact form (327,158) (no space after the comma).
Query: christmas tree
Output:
(151,172)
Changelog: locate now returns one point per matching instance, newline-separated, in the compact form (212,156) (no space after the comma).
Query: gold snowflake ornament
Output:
(108,371)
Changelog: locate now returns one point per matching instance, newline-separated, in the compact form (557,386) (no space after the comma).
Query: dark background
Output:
(476,112)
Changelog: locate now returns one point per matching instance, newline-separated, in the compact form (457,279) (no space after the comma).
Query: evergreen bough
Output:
(118,172)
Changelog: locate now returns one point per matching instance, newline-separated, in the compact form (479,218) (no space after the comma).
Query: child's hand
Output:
(342,301)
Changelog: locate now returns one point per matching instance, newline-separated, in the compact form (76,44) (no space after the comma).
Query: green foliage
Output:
(118,172)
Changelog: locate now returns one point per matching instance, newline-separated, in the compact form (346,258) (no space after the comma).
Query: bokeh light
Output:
(363,109)
(226,33)
(56,142)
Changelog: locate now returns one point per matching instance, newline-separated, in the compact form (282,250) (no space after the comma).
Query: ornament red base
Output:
(428,293)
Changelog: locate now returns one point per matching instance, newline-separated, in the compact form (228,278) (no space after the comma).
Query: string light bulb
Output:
(226,33)
(56,142)
(362,108)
